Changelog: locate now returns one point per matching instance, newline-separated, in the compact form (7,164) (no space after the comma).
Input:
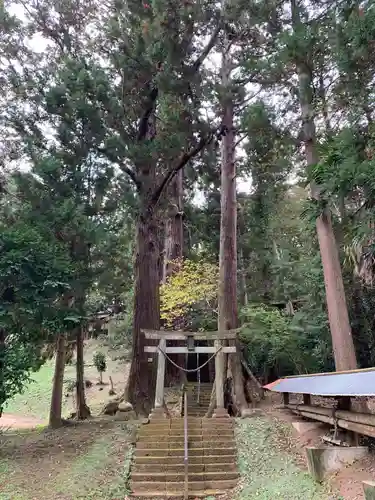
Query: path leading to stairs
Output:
(8,421)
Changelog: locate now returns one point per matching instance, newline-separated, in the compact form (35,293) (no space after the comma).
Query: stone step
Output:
(217,423)
(177,477)
(177,487)
(194,431)
(192,422)
(193,398)
(192,444)
(229,458)
(179,452)
(179,431)
(221,467)
(165,495)
(196,404)
(197,408)
(202,400)
(176,420)
(192,435)
(201,435)
(195,385)
(204,393)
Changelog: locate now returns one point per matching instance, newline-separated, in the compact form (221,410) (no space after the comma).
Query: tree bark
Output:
(173,253)
(55,418)
(228,308)
(342,341)
(174,233)
(141,383)
(2,369)
(83,411)
(242,276)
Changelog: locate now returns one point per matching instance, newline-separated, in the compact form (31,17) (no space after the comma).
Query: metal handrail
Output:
(199,380)
(186,453)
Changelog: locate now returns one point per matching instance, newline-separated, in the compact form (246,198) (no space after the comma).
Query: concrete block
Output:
(369,490)
(302,426)
(322,460)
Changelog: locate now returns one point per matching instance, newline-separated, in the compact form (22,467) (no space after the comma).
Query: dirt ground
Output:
(82,461)
(18,422)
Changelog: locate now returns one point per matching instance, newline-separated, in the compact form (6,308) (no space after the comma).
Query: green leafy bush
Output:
(120,331)
(100,364)
(278,345)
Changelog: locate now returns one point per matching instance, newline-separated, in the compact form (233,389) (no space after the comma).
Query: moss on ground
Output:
(268,470)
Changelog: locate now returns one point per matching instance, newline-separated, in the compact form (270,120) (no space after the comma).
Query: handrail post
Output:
(186,453)
(199,381)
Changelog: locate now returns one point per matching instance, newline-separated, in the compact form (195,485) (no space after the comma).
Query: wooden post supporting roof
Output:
(163,350)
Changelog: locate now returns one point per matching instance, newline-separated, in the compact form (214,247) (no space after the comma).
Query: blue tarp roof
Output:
(350,383)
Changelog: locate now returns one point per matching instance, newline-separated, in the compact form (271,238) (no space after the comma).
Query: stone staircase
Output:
(196,409)
(158,465)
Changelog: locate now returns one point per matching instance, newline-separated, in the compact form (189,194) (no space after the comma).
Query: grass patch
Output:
(35,399)
(105,464)
(88,461)
(267,470)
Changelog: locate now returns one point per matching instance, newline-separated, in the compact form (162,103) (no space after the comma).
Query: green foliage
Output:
(280,345)
(120,331)
(271,347)
(100,361)
(34,273)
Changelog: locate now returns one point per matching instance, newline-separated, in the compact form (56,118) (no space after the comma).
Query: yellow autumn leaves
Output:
(193,283)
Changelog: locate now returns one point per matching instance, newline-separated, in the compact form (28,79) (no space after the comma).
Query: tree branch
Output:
(266,82)
(123,167)
(143,123)
(199,61)
(184,159)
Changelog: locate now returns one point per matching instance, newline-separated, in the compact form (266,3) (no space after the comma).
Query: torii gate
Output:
(218,351)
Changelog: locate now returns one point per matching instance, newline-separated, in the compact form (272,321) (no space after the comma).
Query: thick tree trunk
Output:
(174,233)
(2,358)
(173,252)
(228,313)
(242,284)
(342,341)
(141,383)
(83,411)
(55,418)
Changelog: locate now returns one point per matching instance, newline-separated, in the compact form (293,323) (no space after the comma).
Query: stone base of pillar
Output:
(158,413)
(220,413)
